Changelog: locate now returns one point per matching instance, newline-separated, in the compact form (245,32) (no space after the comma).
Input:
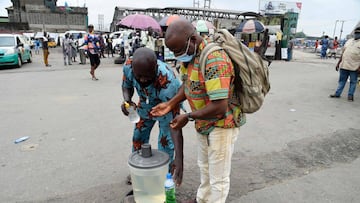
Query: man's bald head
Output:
(181,38)
(144,66)
(144,59)
(179,29)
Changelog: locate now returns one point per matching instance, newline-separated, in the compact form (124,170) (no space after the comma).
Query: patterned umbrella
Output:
(165,21)
(139,21)
(250,26)
(203,25)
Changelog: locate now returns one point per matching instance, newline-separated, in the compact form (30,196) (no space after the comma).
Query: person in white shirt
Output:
(148,40)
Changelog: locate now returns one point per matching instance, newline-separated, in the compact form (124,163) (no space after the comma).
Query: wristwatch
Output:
(189,117)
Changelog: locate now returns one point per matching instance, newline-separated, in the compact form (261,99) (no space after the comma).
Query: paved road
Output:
(301,147)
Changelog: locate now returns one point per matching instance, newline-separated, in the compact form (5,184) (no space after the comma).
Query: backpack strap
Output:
(209,48)
(247,62)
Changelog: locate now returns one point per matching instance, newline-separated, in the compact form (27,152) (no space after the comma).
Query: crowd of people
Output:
(329,47)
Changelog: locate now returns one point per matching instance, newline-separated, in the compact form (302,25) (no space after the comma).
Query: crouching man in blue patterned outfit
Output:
(155,83)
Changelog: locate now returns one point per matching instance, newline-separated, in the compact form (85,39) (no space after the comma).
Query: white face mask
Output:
(185,57)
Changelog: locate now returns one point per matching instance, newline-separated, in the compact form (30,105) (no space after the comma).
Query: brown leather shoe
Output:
(350,98)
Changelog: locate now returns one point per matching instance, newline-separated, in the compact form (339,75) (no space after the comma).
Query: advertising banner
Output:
(279,7)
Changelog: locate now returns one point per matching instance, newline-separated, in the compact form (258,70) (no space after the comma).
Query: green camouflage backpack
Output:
(251,71)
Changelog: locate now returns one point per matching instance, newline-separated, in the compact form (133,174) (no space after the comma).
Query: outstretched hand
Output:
(179,122)
(160,109)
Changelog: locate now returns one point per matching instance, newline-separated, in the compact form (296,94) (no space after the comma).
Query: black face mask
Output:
(357,35)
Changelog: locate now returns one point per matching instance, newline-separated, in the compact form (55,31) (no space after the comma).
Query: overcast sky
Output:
(316,17)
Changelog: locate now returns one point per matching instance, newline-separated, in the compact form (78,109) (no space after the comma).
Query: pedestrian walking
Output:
(316,45)
(81,48)
(349,65)
(214,108)
(334,44)
(324,47)
(109,46)
(102,45)
(148,40)
(66,47)
(45,47)
(37,46)
(136,42)
(154,82)
(290,47)
(92,45)
(73,48)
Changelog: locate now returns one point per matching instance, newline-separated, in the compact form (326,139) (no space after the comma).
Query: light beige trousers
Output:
(214,160)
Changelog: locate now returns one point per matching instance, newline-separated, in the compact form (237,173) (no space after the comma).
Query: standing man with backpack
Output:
(214,106)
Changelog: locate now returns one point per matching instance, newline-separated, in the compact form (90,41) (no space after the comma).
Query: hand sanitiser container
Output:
(133,115)
(148,169)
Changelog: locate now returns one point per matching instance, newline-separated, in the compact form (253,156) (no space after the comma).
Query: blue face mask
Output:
(185,57)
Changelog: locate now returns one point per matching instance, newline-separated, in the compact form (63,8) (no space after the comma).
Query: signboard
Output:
(279,7)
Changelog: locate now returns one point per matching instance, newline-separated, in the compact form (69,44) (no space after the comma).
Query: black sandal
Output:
(128,180)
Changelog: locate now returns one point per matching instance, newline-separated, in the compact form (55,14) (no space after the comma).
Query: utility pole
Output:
(335,28)
(341,30)
(196,3)
(207,4)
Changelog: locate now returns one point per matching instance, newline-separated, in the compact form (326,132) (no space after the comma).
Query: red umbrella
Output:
(165,21)
(139,21)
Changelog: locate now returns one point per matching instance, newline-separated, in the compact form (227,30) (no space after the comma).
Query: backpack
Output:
(251,71)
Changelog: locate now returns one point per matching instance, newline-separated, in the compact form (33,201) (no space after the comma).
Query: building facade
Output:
(45,15)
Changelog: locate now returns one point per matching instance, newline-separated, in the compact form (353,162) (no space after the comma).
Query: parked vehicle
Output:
(29,36)
(14,50)
(75,35)
(121,38)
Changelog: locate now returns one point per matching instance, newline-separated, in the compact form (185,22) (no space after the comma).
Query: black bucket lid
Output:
(147,158)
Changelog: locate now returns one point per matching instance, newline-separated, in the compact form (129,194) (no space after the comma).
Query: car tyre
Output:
(30,58)
(19,62)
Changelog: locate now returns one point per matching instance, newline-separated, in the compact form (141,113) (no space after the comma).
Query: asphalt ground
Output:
(302,146)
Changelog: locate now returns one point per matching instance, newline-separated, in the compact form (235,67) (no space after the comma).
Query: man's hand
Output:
(123,108)
(160,109)
(179,122)
(337,67)
(177,170)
